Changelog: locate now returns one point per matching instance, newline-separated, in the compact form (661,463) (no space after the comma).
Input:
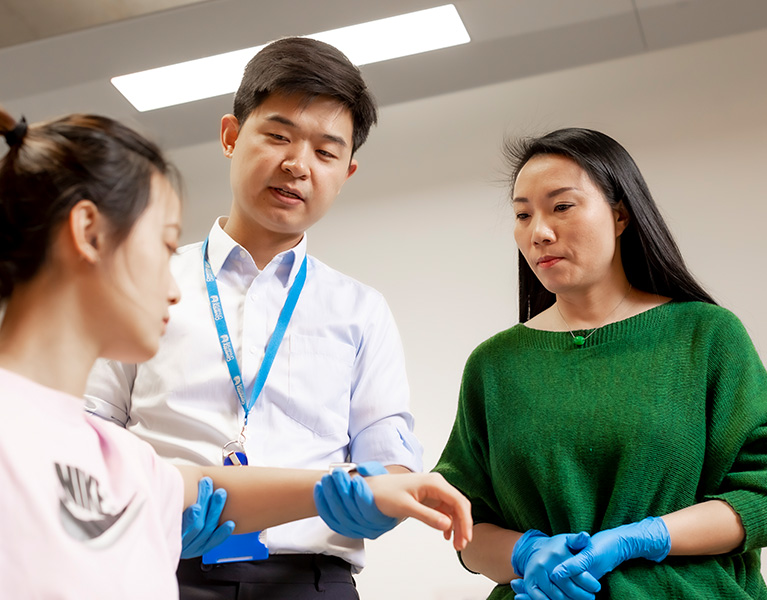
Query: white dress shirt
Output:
(337,390)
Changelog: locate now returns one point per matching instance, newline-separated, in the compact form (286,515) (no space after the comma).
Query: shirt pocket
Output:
(320,381)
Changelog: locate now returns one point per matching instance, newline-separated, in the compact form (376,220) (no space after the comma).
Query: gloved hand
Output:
(347,505)
(607,549)
(200,530)
(536,555)
(370,468)
(520,589)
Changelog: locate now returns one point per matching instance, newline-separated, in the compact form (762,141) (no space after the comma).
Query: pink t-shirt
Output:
(87,510)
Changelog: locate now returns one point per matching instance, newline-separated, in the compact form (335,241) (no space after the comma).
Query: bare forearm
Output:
(707,528)
(490,551)
(397,469)
(257,497)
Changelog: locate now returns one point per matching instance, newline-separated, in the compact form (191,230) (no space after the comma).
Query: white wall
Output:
(425,221)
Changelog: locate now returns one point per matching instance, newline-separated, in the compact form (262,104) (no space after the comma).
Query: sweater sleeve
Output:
(465,459)
(736,454)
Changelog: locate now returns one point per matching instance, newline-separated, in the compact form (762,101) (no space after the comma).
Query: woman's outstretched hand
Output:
(423,496)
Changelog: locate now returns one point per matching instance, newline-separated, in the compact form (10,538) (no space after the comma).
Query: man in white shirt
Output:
(336,390)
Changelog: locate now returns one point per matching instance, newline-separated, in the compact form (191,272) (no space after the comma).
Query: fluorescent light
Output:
(184,82)
(412,33)
(366,43)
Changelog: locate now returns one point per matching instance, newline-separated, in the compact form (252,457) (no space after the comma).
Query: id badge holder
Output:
(243,546)
(237,548)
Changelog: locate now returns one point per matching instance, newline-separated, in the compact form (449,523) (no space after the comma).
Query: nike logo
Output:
(85,514)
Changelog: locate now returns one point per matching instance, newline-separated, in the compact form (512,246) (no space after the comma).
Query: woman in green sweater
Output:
(626,405)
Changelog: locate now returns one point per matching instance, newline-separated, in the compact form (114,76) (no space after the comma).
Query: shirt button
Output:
(243,254)
(253,349)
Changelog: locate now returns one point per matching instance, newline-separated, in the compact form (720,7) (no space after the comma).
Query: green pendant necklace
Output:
(579,340)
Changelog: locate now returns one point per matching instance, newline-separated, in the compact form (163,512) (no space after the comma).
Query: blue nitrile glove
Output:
(200,530)
(536,555)
(347,505)
(370,468)
(607,549)
(520,589)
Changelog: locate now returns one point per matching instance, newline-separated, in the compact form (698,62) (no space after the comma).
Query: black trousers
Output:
(280,577)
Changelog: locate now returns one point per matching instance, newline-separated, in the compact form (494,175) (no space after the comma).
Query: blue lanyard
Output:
(226,341)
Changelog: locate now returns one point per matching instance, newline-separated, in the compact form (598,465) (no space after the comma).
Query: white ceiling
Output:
(66,72)
(24,21)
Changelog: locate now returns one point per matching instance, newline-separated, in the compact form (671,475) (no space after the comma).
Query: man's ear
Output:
(230,129)
(353,165)
(87,228)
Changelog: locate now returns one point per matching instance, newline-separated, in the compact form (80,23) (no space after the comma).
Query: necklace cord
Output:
(579,340)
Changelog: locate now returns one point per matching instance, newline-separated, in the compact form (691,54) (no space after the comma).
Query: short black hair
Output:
(297,65)
(651,259)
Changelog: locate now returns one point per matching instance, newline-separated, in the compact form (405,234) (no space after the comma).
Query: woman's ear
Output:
(87,230)
(622,218)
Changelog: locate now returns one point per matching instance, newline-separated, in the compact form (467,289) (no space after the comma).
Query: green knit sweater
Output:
(655,413)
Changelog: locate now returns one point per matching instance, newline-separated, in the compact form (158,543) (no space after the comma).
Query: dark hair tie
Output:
(15,136)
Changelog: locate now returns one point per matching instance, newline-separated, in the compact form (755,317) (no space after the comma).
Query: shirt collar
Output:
(285,265)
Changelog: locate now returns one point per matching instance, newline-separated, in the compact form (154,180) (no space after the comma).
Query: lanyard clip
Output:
(241,438)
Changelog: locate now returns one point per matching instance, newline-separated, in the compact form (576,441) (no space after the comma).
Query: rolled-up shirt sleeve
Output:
(380,422)
(108,391)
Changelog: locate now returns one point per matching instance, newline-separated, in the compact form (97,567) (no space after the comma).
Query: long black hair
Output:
(651,258)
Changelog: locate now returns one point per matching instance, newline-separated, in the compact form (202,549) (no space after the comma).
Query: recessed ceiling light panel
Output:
(366,43)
